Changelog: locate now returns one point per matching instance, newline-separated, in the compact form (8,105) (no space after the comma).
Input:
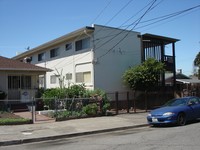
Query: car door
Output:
(194,104)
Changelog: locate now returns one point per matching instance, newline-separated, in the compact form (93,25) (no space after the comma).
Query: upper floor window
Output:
(54,52)
(82,44)
(68,46)
(41,56)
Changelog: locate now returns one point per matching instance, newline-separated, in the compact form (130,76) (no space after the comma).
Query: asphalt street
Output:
(143,138)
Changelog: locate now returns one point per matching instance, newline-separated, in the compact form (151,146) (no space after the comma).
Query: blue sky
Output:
(29,23)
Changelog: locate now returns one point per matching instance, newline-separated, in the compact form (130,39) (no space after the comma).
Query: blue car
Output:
(176,111)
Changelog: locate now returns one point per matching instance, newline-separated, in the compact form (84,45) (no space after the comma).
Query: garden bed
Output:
(7,118)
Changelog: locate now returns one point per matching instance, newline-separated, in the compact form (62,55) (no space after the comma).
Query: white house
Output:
(96,56)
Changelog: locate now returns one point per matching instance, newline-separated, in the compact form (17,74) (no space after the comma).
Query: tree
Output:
(197,64)
(144,77)
(61,78)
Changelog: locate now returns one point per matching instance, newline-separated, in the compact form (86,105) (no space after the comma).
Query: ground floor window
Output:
(41,81)
(83,77)
(53,79)
(19,82)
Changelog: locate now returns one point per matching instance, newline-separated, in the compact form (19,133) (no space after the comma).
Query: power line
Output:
(161,18)
(165,17)
(123,29)
(119,11)
(101,12)
(137,22)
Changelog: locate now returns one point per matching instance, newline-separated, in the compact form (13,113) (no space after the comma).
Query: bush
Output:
(90,109)
(2,95)
(75,91)
(14,121)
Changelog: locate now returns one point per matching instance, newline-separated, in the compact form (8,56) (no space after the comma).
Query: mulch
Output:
(8,115)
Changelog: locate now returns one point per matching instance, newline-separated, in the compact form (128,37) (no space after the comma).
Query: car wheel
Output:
(181,119)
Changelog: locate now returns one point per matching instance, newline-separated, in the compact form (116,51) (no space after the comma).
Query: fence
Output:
(126,102)
(133,101)
(53,108)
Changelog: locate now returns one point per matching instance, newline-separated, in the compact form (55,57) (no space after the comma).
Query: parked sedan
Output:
(177,111)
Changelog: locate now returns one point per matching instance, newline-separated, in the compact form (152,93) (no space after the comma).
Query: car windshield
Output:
(176,102)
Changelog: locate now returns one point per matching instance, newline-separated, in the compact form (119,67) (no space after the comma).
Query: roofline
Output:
(158,37)
(25,69)
(55,41)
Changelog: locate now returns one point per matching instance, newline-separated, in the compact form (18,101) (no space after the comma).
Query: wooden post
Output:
(134,103)
(117,102)
(128,102)
(33,111)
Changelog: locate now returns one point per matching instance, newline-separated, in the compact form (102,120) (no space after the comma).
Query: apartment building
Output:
(96,56)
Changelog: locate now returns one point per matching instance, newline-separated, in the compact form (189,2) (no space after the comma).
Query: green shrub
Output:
(76,91)
(90,109)
(100,96)
(63,115)
(2,95)
(14,121)
(54,92)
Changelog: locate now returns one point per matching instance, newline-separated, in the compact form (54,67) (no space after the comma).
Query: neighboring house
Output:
(19,80)
(185,85)
(97,56)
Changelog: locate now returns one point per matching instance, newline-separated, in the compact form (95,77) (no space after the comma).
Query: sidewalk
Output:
(18,134)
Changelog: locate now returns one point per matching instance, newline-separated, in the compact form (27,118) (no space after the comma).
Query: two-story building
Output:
(96,56)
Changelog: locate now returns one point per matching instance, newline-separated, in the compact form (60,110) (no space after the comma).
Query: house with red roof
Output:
(19,80)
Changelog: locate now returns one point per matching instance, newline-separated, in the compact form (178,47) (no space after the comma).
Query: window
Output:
(53,79)
(82,44)
(41,56)
(68,76)
(26,82)
(41,81)
(83,77)
(54,52)
(19,82)
(68,46)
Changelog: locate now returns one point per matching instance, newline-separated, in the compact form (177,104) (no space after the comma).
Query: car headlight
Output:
(168,114)
(149,115)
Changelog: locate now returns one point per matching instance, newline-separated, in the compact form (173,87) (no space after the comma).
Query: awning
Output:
(188,81)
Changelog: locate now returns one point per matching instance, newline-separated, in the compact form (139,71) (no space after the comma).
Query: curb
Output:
(40,139)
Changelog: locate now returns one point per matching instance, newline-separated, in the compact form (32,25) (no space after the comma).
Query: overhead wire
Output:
(165,17)
(101,12)
(137,22)
(123,30)
(115,14)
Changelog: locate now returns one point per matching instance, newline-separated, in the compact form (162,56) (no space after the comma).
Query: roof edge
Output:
(54,42)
